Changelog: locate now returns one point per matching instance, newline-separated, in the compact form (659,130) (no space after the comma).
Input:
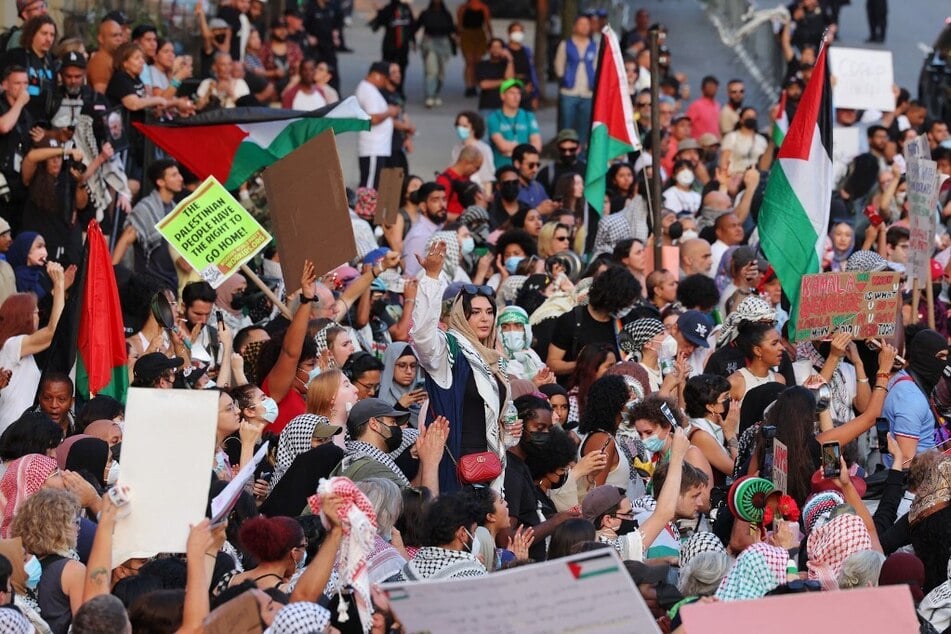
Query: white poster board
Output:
(845,147)
(590,592)
(168,447)
(922,200)
(862,78)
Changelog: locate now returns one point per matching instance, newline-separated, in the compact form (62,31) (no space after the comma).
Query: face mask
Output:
(220,38)
(517,36)
(270,409)
(900,198)
(270,268)
(33,573)
(568,159)
(689,234)
(626,527)
(512,263)
(396,438)
(685,178)
(621,314)
(210,385)
(513,340)
(312,375)
(509,190)
(539,438)
(668,348)
(562,481)
(113,475)
(749,123)
(472,541)
(653,443)
(468,245)
(462,132)
(302,562)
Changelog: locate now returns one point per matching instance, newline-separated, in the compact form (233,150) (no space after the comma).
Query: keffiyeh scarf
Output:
(936,606)
(816,510)
(358,521)
(23,477)
(453,253)
(300,618)
(934,490)
(751,309)
(294,440)
(757,570)
(637,333)
(357,449)
(701,542)
(830,544)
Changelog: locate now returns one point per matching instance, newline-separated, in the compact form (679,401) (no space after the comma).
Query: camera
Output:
(823,395)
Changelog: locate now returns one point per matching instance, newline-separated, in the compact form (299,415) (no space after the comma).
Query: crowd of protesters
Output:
(503,376)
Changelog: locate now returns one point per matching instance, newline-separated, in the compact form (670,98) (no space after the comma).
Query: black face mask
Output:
(508,190)
(749,123)
(395,439)
(562,481)
(221,38)
(568,158)
(626,527)
(539,438)
(675,230)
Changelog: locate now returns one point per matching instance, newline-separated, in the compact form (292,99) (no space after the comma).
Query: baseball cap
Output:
(324,429)
(371,408)
(680,117)
(150,366)
(218,23)
(600,500)
(695,326)
(708,139)
(380,67)
(4,226)
(74,59)
(508,83)
(566,135)
(687,144)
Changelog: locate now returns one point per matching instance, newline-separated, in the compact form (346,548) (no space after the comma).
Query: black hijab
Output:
(88,458)
(300,481)
(755,401)
(923,365)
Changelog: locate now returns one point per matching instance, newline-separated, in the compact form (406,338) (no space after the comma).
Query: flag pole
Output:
(654,41)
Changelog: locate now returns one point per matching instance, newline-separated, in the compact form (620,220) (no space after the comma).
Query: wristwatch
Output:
(307,300)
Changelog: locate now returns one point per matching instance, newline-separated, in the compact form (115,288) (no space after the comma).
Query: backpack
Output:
(6,36)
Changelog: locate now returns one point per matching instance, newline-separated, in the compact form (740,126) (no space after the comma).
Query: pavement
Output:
(694,43)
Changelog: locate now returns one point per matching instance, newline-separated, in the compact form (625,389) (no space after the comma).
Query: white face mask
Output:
(513,340)
(517,36)
(272,269)
(668,348)
(685,178)
(689,234)
(900,198)
(270,409)
(113,476)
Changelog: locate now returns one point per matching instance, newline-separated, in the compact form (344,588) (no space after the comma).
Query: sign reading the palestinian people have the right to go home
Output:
(863,304)
(213,232)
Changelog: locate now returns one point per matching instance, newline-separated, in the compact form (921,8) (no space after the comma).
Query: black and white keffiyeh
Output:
(637,333)
(700,542)
(866,261)
(295,439)
(440,563)
(357,449)
(751,309)
(301,617)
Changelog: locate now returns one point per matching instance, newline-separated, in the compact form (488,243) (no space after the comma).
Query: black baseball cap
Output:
(74,59)
(151,366)
(369,408)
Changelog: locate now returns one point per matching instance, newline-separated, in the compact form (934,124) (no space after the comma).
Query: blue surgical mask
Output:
(653,443)
(514,340)
(270,408)
(33,573)
(468,245)
(463,132)
(512,263)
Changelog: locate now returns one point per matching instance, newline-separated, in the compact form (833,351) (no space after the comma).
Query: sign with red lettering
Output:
(863,304)
(780,465)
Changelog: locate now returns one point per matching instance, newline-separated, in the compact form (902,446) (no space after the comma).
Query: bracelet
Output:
(880,387)
(176,83)
(865,380)
(215,557)
(411,299)
(884,375)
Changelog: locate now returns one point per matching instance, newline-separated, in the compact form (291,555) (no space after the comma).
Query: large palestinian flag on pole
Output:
(612,119)
(233,143)
(794,217)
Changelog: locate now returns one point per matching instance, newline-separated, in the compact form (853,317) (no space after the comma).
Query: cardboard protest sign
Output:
(780,465)
(857,610)
(922,175)
(669,259)
(561,593)
(168,448)
(307,200)
(863,78)
(213,232)
(388,196)
(863,304)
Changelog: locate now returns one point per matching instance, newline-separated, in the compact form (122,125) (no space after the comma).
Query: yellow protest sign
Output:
(213,232)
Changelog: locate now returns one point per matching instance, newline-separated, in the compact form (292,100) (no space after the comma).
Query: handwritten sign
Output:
(863,304)
(923,187)
(561,593)
(863,78)
(213,232)
(780,465)
(845,147)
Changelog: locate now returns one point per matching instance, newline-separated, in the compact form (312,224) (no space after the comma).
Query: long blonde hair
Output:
(545,238)
(322,391)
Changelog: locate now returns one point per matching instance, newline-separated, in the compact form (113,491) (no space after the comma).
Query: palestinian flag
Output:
(612,119)
(794,217)
(781,123)
(231,144)
(101,360)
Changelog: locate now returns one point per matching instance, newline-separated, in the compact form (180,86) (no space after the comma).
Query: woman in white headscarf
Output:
(516,335)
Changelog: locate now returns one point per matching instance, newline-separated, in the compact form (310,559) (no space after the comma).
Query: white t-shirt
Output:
(379,140)
(305,102)
(679,200)
(239,89)
(16,397)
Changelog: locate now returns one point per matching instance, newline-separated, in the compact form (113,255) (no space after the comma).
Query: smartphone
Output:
(881,427)
(478,252)
(830,460)
(766,469)
(873,215)
(419,384)
(220,318)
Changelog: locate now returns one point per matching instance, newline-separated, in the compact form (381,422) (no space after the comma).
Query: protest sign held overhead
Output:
(922,175)
(863,78)
(213,232)
(863,304)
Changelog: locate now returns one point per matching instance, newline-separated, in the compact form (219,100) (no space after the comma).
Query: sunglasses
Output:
(561,238)
(484,291)
(531,165)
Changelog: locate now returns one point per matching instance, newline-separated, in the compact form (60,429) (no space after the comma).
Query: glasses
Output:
(625,516)
(371,389)
(739,91)
(407,366)
(533,164)
(484,291)
(561,238)
(643,104)
(568,150)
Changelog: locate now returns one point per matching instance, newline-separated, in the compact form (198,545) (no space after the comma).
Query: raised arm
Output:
(428,342)
(282,375)
(864,421)
(315,577)
(196,606)
(667,500)
(42,338)
(99,566)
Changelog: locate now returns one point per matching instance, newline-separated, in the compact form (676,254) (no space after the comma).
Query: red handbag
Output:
(477,468)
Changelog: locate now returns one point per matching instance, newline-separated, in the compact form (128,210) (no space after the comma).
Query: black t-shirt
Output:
(13,148)
(577,328)
(232,16)
(521,499)
(489,98)
(120,86)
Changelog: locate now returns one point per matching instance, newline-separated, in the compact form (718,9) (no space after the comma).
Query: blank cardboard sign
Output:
(388,200)
(307,200)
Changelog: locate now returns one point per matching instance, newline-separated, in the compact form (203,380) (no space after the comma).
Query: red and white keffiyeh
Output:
(830,544)
(358,520)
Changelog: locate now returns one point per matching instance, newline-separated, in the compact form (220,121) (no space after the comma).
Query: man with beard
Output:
(490,73)
(432,208)
(730,113)
(863,172)
(73,97)
(906,407)
(520,492)
(567,163)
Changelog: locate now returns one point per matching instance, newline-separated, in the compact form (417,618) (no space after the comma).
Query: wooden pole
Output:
(929,296)
(267,291)
(654,37)
(914,301)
